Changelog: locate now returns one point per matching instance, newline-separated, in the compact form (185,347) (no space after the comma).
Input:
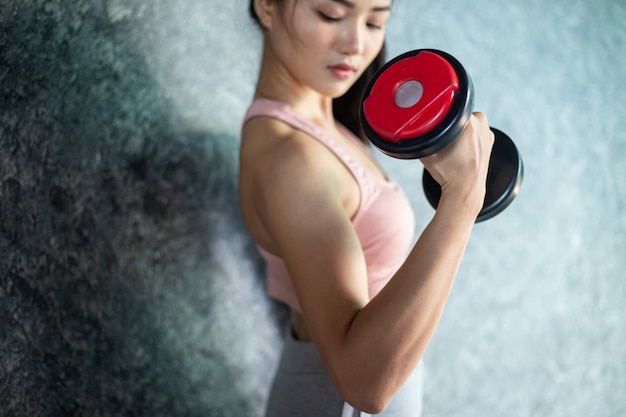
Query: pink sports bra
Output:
(384,221)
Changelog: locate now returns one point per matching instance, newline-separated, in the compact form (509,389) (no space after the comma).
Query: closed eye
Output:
(327,18)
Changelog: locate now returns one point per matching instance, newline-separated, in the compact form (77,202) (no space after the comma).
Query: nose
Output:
(351,40)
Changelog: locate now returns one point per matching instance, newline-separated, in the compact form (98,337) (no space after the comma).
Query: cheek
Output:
(313,37)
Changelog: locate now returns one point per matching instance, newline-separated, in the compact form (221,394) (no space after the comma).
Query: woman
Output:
(334,230)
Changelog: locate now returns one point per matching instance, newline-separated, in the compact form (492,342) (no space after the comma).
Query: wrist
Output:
(461,205)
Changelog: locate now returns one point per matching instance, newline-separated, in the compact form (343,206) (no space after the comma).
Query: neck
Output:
(275,83)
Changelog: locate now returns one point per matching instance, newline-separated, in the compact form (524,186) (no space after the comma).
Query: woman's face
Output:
(326,44)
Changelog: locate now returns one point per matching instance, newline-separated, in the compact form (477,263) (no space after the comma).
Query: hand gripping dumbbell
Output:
(417,104)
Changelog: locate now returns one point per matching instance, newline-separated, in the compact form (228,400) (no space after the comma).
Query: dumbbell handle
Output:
(504,178)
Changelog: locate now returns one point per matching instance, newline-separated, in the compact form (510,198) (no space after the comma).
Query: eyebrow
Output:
(350,5)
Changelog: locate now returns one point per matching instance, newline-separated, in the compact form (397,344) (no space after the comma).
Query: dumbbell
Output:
(417,104)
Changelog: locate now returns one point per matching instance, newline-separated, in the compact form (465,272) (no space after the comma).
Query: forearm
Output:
(389,335)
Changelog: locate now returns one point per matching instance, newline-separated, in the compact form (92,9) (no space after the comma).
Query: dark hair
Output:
(346,107)
(253,14)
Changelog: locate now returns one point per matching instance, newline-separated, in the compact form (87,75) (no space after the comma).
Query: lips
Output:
(342,71)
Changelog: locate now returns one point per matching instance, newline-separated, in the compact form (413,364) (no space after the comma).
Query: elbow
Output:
(371,389)
(370,404)
(368,399)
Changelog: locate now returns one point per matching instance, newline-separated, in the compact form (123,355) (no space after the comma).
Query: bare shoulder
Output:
(269,147)
(284,175)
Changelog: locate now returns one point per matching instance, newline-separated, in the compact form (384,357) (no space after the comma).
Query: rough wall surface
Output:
(129,287)
(123,265)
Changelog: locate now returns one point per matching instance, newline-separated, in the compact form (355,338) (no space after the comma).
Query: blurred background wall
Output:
(129,287)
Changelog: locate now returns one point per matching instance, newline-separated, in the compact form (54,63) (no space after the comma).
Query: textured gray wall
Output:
(127,283)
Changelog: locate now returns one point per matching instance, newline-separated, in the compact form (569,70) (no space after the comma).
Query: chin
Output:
(336,89)
(338,92)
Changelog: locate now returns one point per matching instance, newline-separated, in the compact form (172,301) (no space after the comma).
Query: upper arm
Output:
(297,197)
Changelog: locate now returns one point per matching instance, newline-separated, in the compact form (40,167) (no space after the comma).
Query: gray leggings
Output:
(302,388)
